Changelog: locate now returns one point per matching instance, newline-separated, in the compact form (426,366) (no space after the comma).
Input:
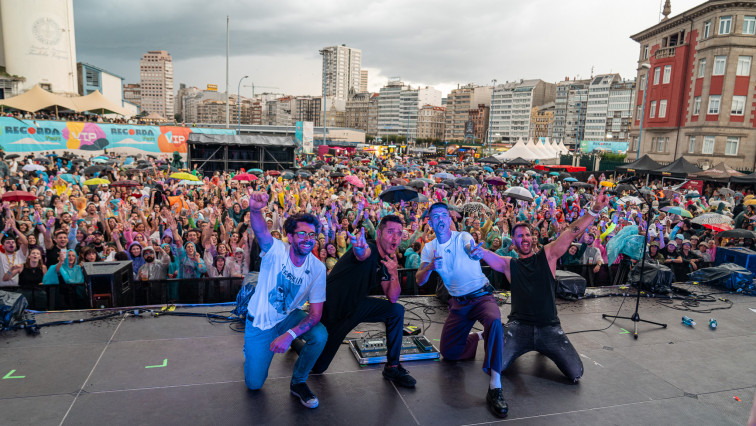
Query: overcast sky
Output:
(439,43)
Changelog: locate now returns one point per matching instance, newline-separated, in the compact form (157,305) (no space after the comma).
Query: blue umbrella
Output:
(488,169)
(570,179)
(400,169)
(72,179)
(444,175)
(554,173)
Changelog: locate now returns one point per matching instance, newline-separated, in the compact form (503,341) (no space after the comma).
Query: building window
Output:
(643,82)
(657,73)
(708,145)
(725,25)
(667,74)
(738,105)
(646,51)
(744,65)
(638,112)
(662,108)
(652,110)
(714,101)
(749,25)
(692,145)
(731,146)
(707,29)
(660,142)
(719,65)
(696,105)
(702,68)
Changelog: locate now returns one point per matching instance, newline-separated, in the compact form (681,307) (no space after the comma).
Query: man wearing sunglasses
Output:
(290,275)
(362,268)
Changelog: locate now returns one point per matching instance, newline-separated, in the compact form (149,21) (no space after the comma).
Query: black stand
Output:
(636,317)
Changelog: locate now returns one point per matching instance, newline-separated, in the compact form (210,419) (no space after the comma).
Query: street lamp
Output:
(238,103)
(646,66)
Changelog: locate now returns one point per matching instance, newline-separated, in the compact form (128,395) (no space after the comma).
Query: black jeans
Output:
(548,340)
(370,309)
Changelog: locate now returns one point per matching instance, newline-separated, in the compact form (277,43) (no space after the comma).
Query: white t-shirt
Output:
(461,274)
(283,287)
(17,258)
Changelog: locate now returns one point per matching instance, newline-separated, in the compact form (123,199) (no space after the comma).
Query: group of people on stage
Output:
(291,275)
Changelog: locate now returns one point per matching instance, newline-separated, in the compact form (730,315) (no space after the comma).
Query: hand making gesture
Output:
(258,200)
(358,243)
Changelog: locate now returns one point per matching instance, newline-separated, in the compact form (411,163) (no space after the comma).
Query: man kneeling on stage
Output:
(290,275)
(347,304)
(533,321)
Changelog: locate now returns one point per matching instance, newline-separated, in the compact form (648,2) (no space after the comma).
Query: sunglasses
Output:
(303,235)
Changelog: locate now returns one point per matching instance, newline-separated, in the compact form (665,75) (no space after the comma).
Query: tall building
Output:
(197,106)
(697,70)
(181,96)
(341,74)
(570,111)
(363,81)
(156,83)
(306,108)
(132,93)
(431,122)
(598,103)
(372,120)
(458,105)
(357,109)
(37,46)
(479,117)
(541,120)
(388,108)
(512,105)
(619,111)
(398,106)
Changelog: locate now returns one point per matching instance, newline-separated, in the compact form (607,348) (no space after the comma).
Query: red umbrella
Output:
(365,160)
(718,227)
(433,163)
(354,180)
(18,196)
(245,177)
(125,184)
(273,173)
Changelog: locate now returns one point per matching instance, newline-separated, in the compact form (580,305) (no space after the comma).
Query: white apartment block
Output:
(398,106)
(512,104)
(619,112)
(570,110)
(458,105)
(156,83)
(597,108)
(341,73)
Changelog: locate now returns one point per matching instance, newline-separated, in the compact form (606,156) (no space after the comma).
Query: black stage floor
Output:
(96,373)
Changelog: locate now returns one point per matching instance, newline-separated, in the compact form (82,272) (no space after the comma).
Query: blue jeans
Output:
(257,353)
(548,340)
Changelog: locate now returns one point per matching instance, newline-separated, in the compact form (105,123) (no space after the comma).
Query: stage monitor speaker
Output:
(113,278)
(737,255)
(570,285)
(657,278)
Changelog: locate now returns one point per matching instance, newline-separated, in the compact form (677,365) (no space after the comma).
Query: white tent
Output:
(538,150)
(518,150)
(563,148)
(546,147)
(555,147)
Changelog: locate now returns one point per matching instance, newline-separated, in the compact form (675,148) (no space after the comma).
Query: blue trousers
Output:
(257,353)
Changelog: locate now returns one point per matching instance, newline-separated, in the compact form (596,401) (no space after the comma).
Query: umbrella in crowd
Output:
(273,173)
(288,175)
(737,233)
(716,203)
(93,169)
(548,186)
(495,180)
(190,182)
(418,183)
(727,192)
(693,194)
(420,199)
(125,184)
(678,211)
(631,200)
(33,168)
(466,181)
(245,177)
(623,187)
(711,219)
(398,181)
(354,180)
(519,193)
(11,156)
(96,181)
(717,227)
(303,173)
(333,175)
(443,175)
(42,160)
(571,179)
(256,171)
(474,207)
(11,196)
(396,194)
(183,176)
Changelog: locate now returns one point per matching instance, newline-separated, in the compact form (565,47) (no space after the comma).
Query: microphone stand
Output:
(636,317)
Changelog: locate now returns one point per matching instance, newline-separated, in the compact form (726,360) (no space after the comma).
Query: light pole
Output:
(647,67)
(490,116)
(238,103)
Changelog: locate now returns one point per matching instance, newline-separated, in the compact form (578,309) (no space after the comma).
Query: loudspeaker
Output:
(570,285)
(737,255)
(113,278)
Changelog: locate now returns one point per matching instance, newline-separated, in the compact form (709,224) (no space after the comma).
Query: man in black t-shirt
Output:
(347,303)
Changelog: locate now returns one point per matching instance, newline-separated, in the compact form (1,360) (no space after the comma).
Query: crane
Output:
(253,88)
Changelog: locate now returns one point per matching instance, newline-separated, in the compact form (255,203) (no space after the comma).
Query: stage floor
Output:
(184,370)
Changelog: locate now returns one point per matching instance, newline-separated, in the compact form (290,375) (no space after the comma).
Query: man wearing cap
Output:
(654,254)
(152,270)
(97,243)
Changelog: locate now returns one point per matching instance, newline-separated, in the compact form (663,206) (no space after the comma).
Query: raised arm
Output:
(556,249)
(257,201)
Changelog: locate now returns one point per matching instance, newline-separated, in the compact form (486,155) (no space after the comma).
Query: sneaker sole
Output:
(313,404)
(404,385)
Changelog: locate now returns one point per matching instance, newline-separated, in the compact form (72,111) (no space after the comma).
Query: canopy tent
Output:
(679,168)
(555,147)
(36,99)
(518,150)
(642,165)
(535,149)
(519,161)
(744,179)
(546,147)
(96,102)
(490,160)
(720,172)
(563,149)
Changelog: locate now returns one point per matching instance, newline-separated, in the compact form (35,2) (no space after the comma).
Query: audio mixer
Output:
(373,350)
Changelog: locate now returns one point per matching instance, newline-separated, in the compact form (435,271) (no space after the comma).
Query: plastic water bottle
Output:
(713,324)
(688,321)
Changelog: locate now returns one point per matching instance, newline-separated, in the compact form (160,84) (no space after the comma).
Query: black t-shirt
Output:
(533,291)
(350,281)
(52,256)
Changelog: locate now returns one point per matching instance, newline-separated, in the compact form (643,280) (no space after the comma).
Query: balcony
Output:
(666,52)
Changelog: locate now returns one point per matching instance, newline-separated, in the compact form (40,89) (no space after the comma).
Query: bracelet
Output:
(593,213)
(293,334)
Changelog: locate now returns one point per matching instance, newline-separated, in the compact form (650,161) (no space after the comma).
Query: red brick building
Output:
(701,100)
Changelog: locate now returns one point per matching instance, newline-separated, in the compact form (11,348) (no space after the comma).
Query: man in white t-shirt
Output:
(290,275)
(471,300)
(13,254)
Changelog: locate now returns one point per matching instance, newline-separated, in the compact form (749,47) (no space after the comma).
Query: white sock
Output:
(495,380)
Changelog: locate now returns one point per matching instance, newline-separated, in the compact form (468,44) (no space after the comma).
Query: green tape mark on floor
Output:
(624,331)
(165,362)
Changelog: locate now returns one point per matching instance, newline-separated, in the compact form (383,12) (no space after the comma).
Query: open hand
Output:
(476,252)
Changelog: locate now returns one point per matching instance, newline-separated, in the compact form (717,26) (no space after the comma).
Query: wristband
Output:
(592,213)
(293,334)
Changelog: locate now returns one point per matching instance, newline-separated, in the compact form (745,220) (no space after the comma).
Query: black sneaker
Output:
(399,375)
(305,395)
(496,403)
